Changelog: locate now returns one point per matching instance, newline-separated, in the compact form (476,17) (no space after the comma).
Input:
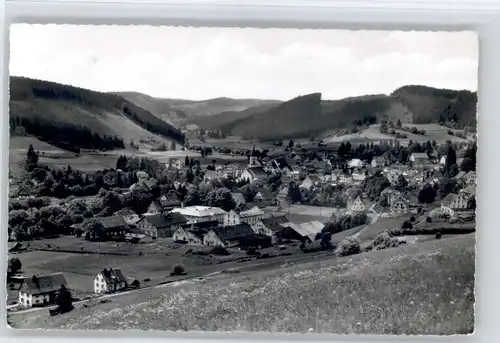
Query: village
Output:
(283,203)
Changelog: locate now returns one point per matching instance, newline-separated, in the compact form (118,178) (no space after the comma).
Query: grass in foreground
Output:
(426,288)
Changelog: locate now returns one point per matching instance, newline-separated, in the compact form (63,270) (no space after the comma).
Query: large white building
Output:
(197,214)
(109,281)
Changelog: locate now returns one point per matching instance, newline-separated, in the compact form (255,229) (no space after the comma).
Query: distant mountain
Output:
(309,115)
(203,108)
(67,116)
(161,108)
(288,119)
(221,119)
(429,104)
(182,112)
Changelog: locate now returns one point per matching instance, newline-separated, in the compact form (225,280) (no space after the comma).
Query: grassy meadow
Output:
(425,288)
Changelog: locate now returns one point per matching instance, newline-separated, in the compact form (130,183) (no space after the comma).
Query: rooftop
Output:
(165,220)
(45,283)
(199,211)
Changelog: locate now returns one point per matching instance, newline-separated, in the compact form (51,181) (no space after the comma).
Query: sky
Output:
(202,63)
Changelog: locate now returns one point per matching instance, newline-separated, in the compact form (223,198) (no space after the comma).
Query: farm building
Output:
(40,290)
(196,214)
(109,281)
(251,216)
(161,224)
(128,215)
(229,235)
(108,228)
(270,226)
(302,232)
(191,234)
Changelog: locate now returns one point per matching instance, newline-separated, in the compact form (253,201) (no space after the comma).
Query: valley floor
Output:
(423,288)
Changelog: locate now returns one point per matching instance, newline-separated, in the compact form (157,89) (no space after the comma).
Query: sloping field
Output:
(372,230)
(425,288)
(432,132)
(23,143)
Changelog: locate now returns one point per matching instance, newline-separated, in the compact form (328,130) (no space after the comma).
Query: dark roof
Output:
(124,212)
(112,222)
(165,220)
(45,283)
(281,163)
(113,275)
(257,171)
(238,198)
(273,223)
(168,202)
(233,232)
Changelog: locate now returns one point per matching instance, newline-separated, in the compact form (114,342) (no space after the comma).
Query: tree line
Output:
(63,135)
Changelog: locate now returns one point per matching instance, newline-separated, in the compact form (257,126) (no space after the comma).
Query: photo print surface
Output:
(242,179)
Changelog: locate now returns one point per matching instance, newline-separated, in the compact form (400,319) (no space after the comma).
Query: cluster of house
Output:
(38,291)
(204,226)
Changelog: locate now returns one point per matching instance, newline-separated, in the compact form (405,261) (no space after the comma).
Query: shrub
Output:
(221,251)
(178,270)
(407,225)
(385,240)
(348,246)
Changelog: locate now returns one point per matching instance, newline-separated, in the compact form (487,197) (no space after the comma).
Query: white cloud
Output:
(199,63)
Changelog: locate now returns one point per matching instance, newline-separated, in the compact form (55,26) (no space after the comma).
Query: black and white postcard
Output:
(242,179)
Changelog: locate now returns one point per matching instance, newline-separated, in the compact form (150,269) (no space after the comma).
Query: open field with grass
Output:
(372,230)
(232,142)
(393,291)
(80,262)
(91,162)
(432,132)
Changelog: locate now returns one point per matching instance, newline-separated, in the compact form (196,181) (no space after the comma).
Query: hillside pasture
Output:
(80,260)
(435,132)
(370,231)
(425,288)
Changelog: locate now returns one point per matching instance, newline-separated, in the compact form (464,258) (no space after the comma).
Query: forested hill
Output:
(428,104)
(74,117)
(310,115)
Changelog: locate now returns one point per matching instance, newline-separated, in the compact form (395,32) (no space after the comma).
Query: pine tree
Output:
(64,300)
(31,157)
